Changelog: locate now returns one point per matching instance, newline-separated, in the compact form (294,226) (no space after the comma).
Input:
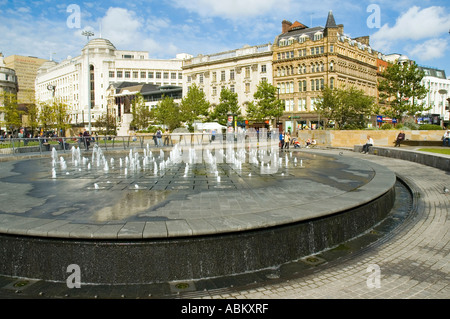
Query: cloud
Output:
(415,24)
(124,33)
(431,49)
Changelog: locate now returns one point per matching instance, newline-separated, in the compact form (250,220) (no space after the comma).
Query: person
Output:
(213,135)
(287,140)
(281,140)
(167,138)
(446,138)
(400,138)
(159,137)
(308,143)
(87,139)
(368,144)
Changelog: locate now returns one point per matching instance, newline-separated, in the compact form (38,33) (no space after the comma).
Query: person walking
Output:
(287,140)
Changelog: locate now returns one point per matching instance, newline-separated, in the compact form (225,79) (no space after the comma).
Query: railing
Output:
(41,145)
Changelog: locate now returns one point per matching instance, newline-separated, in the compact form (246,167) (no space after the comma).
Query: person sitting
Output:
(400,138)
(368,144)
(446,139)
(313,143)
(308,143)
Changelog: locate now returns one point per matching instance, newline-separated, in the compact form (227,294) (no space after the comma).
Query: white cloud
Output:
(431,49)
(415,24)
(121,26)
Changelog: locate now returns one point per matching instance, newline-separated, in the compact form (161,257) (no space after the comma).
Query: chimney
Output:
(285,25)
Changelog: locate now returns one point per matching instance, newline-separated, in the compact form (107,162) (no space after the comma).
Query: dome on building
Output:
(100,44)
(46,66)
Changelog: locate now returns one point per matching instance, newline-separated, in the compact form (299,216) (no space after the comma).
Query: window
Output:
(111,74)
(263,68)
(150,75)
(247,87)
(143,75)
(166,75)
(331,66)
(180,76)
(331,48)
(127,74)
(135,75)
(222,76)
(312,85)
(173,76)
(331,83)
(158,75)
(214,76)
(232,75)
(247,72)
(232,88)
(201,77)
(214,91)
(119,74)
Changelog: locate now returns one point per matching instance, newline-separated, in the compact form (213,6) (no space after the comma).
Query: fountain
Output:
(189,212)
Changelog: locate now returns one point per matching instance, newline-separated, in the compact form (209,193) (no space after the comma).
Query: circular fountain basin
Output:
(161,221)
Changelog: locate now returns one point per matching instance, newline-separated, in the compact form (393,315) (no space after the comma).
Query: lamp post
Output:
(88,34)
(442,92)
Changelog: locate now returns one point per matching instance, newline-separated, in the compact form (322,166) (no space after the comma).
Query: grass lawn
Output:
(436,150)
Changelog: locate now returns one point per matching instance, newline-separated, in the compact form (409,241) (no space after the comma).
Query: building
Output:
(121,96)
(437,97)
(239,70)
(305,59)
(78,85)
(26,68)
(8,84)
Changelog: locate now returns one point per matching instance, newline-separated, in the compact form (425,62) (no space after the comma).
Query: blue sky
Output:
(47,28)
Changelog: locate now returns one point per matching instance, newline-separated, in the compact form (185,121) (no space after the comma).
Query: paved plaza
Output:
(411,261)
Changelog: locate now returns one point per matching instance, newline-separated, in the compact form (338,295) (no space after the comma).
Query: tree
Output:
(167,112)
(228,105)
(400,89)
(347,107)
(193,106)
(12,114)
(62,116)
(54,115)
(107,122)
(47,116)
(33,117)
(266,104)
(141,113)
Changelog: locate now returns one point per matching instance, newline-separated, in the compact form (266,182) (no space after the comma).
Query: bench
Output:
(420,143)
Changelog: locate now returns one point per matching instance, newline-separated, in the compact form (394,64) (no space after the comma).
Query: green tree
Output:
(141,113)
(194,106)
(108,123)
(47,116)
(167,112)
(228,105)
(400,89)
(33,117)
(266,104)
(12,113)
(347,107)
(62,116)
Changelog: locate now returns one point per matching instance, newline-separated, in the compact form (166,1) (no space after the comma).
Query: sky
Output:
(51,29)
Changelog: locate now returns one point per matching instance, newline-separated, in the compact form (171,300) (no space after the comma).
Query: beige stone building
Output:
(305,59)
(26,70)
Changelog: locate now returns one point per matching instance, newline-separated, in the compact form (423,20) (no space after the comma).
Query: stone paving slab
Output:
(414,264)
